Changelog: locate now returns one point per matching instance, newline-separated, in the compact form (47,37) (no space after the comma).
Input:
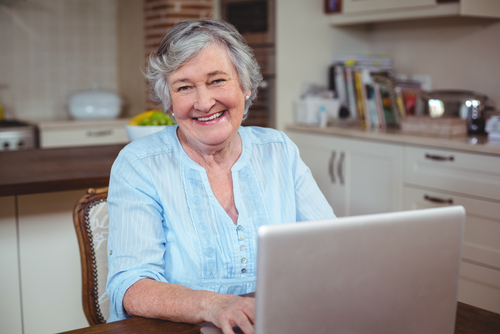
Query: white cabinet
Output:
(40,275)
(371,11)
(82,133)
(357,177)
(50,263)
(10,300)
(362,176)
(444,177)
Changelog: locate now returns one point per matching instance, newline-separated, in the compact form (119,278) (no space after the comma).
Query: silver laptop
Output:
(383,273)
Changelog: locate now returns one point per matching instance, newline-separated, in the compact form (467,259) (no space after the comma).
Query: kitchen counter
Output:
(58,169)
(472,144)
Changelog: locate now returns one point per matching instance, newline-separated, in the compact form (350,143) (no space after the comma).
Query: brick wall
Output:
(161,15)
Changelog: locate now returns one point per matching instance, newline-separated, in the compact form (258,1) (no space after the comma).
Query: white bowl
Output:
(138,131)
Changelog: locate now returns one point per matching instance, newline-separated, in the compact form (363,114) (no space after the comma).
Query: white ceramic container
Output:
(95,104)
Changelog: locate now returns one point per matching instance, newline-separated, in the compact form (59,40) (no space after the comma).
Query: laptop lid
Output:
(384,273)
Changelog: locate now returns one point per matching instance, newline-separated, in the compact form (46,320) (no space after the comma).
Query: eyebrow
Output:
(211,74)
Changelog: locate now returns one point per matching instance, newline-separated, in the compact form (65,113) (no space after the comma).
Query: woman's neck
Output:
(216,157)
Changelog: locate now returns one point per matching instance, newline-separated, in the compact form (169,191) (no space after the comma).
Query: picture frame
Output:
(332,6)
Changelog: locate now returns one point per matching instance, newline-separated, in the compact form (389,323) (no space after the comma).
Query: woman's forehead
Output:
(212,60)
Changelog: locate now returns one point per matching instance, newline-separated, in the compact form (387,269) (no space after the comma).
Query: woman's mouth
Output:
(210,118)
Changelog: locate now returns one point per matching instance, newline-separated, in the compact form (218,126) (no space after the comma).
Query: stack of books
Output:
(367,90)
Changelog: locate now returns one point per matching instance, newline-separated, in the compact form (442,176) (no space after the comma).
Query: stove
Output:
(15,135)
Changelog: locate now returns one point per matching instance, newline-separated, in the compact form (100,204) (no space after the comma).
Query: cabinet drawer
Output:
(466,173)
(482,227)
(480,287)
(83,137)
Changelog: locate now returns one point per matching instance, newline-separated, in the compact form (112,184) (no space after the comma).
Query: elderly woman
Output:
(185,203)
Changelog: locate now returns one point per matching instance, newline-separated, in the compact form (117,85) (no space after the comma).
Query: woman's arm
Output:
(311,204)
(174,302)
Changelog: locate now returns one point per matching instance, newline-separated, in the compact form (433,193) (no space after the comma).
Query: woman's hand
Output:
(227,311)
(152,299)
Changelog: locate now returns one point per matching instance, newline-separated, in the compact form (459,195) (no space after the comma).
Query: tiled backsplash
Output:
(50,49)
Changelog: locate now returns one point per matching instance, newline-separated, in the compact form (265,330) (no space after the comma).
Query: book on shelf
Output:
(367,92)
(351,93)
(407,93)
(390,110)
(372,117)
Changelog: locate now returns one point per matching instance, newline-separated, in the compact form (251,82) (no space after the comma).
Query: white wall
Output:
(305,44)
(52,49)
(459,53)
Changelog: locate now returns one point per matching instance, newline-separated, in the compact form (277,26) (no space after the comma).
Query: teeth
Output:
(214,116)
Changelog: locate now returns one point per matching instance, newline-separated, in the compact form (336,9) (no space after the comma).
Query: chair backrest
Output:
(90,217)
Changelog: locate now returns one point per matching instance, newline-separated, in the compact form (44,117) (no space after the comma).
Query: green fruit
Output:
(155,118)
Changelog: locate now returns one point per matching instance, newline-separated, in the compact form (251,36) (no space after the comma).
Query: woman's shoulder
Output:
(258,135)
(162,142)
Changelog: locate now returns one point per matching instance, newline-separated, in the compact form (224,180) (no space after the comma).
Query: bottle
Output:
(323,119)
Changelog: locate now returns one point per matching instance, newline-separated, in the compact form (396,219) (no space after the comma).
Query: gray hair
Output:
(186,40)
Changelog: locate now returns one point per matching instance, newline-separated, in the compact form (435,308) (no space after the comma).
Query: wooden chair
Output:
(90,217)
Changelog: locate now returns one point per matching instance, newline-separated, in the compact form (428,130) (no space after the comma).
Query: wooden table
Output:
(57,169)
(470,320)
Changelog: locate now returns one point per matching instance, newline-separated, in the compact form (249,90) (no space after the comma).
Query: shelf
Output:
(466,8)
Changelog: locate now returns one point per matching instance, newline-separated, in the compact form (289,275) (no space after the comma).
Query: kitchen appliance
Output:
(468,105)
(95,104)
(15,135)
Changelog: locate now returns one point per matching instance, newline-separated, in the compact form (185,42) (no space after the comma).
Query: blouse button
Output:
(240,237)
(239,227)
(242,247)
(243,270)
(110,252)
(243,260)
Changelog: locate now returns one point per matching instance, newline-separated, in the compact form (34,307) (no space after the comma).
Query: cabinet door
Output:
(355,6)
(50,263)
(480,270)
(371,175)
(10,300)
(321,154)
(356,176)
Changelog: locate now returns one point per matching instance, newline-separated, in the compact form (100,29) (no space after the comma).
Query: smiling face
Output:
(207,100)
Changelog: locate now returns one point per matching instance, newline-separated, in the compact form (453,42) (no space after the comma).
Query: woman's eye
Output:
(218,81)
(183,88)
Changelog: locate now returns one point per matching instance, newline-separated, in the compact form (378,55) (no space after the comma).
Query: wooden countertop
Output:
(58,169)
(471,144)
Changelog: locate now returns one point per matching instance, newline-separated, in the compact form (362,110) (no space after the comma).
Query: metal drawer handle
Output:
(340,171)
(438,200)
(331,163)
(439,157)
(99,133)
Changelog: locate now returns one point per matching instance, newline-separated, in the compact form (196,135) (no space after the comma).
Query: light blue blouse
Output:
(167,225)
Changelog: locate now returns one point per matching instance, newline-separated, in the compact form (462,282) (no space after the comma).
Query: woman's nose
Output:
(204,100)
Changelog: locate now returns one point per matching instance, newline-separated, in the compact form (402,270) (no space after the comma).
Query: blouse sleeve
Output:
(311,204)
(136,242)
